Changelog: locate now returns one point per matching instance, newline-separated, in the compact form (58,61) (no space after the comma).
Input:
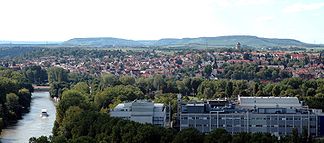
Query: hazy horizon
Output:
(39,20)
(55,42)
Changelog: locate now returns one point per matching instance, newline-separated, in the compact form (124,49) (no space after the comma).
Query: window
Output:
(289,118)
(258,126)
(184,118)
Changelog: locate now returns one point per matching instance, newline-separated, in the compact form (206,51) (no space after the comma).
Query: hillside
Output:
(224,41)
(104,41)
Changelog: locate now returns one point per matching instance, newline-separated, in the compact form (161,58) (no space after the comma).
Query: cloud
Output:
(300,7)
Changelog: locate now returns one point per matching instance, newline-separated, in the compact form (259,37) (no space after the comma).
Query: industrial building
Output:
(275,115)
(142,111)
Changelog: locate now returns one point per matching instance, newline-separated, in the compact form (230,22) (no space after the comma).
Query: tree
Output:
(187,83)
(242,137)
(70,98)
(158,82)
(209,93)
(229,89)
(82,87)
(195,84)
(171,86)
(255,88)
(182,88)
(310,92)
(57,74)
(208,70)
(12,103)
(41,139)
(293,82)
(127,80)
(35,74)
(189,135)
(83,139)
(108,80)
(294,136)
(276,90)
(145,84)
(114,95)
(218,135)
(263,137)
(24,97)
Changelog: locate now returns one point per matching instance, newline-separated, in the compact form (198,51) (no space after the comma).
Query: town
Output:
(214,64)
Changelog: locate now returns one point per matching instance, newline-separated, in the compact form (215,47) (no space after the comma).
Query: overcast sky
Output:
(60,20)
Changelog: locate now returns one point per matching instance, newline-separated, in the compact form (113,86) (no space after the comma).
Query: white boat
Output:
(44,113)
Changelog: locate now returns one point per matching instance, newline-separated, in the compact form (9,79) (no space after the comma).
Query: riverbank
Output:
(32,125)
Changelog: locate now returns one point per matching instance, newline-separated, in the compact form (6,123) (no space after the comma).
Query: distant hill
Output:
(221,41)
(27,42)
(105,41)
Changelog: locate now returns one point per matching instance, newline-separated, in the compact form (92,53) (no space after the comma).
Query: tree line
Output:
(15,96)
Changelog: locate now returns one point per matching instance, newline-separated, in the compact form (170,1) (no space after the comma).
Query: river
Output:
(32,125)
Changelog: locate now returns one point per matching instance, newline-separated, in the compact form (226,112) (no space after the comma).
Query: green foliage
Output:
(12,104)
(41,139)
(82,87)
(70,98)
(189,135)
(158,82)
(145,84)
(108,80)
(57,74)
(218,135)
(79,121)
(90,126)
(58,79)
(35,74)
(117,93)
(56,88)
(15,98)
(208,70)
(127,80)
(24,98)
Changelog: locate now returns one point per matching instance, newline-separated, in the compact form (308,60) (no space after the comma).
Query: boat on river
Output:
(44,113)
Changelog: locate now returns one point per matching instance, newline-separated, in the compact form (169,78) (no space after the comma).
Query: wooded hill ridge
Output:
(220,41)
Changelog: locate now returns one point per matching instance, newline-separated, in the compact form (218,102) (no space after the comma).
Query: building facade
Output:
(141,111)
(275,115)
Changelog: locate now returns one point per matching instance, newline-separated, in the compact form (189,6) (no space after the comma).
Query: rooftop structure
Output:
(251,102)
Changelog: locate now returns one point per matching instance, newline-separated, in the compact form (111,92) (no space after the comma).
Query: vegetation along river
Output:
(32,125)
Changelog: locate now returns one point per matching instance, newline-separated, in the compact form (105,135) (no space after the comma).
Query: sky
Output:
(60,20)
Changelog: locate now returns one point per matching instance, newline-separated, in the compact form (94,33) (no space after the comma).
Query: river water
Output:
(32,125)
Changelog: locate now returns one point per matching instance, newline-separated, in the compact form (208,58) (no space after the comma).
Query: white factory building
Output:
(141,111)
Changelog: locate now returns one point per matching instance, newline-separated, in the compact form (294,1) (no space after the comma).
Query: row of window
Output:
(242,118)
(256,126)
